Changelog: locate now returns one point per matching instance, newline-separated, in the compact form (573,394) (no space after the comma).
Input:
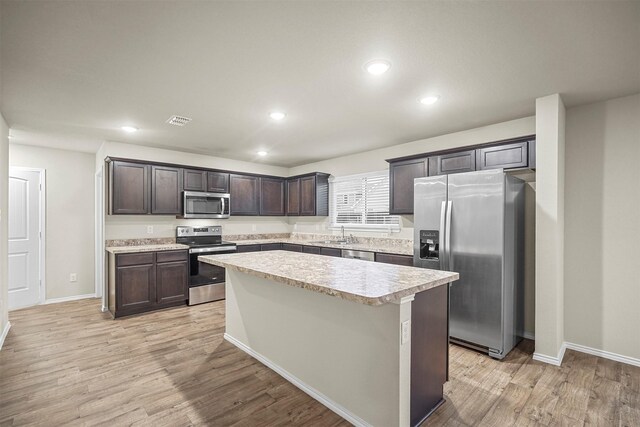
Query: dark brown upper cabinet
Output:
(217,182)
(293,196)
(194,180)
(461,161)
(506,156)
(272,196)
(135,187)
(401,176)
(245,195)
(308,195)
(513,153)
(129,188)
(166,186)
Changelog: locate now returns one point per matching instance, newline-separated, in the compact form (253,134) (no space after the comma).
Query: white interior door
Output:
(24,238)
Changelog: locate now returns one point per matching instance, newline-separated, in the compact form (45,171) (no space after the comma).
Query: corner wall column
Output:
(550,142)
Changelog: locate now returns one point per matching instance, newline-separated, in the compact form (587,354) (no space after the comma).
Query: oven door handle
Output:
(220,249)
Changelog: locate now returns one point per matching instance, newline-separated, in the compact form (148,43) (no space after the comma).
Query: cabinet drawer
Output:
(271,247)
(292,248)
(248,248)
(331,252)
(169,256)
(123,260)
(395,259)
(311,250)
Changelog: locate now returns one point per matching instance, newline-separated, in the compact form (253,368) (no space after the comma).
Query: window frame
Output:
(394,226)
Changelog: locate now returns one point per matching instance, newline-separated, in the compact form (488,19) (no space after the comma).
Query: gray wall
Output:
(602,229)
(70,216)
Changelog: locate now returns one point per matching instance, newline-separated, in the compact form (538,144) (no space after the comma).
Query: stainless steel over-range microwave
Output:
(197,204)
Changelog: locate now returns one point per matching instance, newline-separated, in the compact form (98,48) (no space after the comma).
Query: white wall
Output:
(69,216)
(135,227)
(602,231)
(550,142)
(4,240)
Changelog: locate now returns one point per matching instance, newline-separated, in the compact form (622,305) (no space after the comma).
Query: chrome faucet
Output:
(342,232)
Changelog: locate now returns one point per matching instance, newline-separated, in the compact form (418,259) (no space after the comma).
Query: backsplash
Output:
(139,242)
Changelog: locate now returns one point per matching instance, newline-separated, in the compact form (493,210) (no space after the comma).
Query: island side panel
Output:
(349,353)
(429,351)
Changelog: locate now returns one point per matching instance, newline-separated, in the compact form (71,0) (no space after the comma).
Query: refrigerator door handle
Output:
(448,236)
(443,249)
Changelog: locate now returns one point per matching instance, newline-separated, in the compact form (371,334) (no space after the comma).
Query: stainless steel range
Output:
(206,281)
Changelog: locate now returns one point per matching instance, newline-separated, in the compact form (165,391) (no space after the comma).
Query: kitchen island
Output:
(368,340)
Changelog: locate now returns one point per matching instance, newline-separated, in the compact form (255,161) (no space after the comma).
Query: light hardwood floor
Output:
(70,364)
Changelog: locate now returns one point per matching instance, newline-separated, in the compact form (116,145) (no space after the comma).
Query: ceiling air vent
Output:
(178,120)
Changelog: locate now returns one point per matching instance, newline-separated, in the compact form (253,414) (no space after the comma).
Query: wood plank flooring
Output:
(69,364)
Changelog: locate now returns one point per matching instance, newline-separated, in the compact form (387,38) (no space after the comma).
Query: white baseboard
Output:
(557,361)
(5,332)
(71,298)
(604,354)
(529,335)
(335,407)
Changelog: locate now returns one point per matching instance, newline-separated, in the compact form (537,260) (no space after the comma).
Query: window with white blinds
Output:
(362,201)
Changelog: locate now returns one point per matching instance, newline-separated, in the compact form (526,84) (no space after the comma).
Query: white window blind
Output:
(362,201)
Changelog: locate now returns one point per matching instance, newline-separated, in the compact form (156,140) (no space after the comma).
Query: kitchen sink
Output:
(330,242)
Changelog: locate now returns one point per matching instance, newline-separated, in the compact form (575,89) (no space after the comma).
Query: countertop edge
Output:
(353,247)
(145,248)
(372,301)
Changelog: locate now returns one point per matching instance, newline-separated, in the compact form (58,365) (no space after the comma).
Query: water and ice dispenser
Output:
(430,245)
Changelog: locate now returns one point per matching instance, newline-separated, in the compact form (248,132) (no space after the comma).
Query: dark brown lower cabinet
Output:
(395,259)
(292,248)
(147,281)
(248,248)
(135,289)
(171,282)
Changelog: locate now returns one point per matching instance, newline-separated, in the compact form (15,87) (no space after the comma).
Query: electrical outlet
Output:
(149,229)
(73,277)
(406,332)
(253,227)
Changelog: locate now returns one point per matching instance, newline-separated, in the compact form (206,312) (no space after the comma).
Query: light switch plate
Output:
(73,277)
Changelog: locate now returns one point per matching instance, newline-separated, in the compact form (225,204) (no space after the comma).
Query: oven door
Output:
(205,205)
(206,281)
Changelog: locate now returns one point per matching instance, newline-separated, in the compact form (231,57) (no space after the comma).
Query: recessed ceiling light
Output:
(428,100)
(377,66)
(262,153)
(277,115)
(129,129)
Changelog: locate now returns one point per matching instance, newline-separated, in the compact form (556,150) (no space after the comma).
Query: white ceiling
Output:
(80,70)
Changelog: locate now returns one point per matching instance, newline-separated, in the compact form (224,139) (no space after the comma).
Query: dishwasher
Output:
(363,255)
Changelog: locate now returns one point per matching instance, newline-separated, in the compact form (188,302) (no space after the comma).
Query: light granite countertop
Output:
(145,248)
(370,247)
(360,281)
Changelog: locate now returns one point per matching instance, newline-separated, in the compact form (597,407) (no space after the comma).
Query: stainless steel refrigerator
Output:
(473,223)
